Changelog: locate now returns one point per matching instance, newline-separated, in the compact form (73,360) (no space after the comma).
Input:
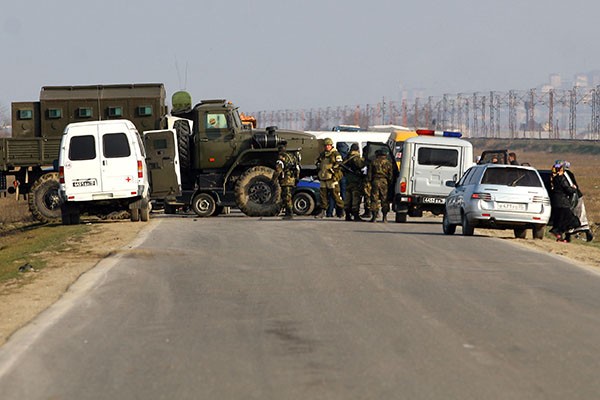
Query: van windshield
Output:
(511,177)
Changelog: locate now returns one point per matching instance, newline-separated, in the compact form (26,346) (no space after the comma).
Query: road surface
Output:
(234,307)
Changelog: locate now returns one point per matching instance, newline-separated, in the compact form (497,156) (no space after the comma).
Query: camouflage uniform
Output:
(380,175)
(287,169)
(352,166)
(329,166)
(366,191)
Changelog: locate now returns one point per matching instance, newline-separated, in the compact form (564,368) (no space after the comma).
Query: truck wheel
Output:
(401,217)
(256,195)
(303,203)
(204,205)
(135,214)
(44,201)
(182,128)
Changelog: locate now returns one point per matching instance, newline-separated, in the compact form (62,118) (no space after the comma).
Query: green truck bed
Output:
(28,152)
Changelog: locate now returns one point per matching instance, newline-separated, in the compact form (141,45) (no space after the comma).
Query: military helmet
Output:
(327,141)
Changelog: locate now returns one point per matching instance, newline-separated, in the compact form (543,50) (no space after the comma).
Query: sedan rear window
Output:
(511,177)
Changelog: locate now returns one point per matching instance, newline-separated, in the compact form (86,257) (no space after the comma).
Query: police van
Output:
(102,169)
(431,162)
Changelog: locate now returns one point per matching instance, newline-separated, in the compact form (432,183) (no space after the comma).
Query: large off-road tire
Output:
(44,201)
(204,205)
(303,203)
(182,128)
(256,194)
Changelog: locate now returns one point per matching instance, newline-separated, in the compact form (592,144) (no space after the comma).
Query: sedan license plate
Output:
(433,200)
(511,206)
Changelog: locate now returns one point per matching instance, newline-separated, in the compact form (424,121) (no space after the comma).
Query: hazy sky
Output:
(278,54)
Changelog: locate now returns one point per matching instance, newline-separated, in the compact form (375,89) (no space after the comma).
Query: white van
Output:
(102,168)
(431,163)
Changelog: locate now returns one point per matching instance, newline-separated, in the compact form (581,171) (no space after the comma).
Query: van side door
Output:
(82,168)
(434,165)
(119,159)
(162,160)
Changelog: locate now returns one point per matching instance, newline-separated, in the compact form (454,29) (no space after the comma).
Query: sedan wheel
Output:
(467,228)
(448,228)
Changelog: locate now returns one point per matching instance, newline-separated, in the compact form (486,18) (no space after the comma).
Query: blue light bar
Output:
(452,134)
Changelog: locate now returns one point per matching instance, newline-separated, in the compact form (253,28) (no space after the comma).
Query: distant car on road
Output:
(497,196)
(305,197)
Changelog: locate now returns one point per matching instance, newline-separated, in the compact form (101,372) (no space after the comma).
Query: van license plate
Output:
(433,200)
(511,206)
(84,182)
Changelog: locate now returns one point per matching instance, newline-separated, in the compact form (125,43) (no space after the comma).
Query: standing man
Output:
(287,170)
(366,188)
(352,166)
(380,175)
(329,166)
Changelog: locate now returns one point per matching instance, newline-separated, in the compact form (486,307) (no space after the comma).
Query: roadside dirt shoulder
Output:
(20,304)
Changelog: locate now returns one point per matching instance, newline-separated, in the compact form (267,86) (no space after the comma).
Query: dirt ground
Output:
(20,304)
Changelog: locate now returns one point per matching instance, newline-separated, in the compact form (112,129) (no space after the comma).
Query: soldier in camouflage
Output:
(380,175)
(366,191)
(352,167)
(329,166)
(287,170)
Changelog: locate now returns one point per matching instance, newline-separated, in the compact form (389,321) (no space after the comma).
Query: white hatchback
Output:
(498,196)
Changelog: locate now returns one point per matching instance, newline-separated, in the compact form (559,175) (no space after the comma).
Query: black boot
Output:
(589,236)
(348,215)
(384,218)
(356,216)
(366,214)
(339,212)
(321,214)
(373,217)
(288,215)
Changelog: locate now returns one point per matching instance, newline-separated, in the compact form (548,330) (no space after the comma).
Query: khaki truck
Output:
(30,157)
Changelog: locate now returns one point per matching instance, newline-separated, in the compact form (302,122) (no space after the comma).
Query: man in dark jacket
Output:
(561,191)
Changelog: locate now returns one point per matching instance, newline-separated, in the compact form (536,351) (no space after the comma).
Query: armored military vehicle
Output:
(226,162)
(29,158)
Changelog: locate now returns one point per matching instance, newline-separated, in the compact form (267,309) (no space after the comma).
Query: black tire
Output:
(520,233)
(303,203)
(256,194)
(135,214)
(170,209)
(448,228)
(204,205)
(145,213)
(44,201)
(467,228)
(182,128)
(401,217)
(538,231)
(70,214)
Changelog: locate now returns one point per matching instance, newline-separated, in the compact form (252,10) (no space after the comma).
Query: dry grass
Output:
(13,212)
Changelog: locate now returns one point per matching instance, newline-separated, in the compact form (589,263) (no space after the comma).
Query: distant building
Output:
(555,81)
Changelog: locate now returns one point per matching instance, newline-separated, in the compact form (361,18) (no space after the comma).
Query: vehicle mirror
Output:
(451,184)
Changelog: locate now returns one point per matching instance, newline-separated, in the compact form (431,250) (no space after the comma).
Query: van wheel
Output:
(70,214)
(520,233)
(401,217)
(145,213)
(204,205)
(303,203)
(44,201)
(538,231)
(448,228)
(135,214)
(256,194)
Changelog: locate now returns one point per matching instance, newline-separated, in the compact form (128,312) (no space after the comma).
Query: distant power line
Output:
(553,113)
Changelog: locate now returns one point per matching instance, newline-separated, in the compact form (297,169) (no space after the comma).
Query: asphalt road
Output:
(245,308)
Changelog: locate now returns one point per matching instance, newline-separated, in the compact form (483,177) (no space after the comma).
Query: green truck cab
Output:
(225,162)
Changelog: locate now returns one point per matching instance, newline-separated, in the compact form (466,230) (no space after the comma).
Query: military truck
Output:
(226,162)
(29,158)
